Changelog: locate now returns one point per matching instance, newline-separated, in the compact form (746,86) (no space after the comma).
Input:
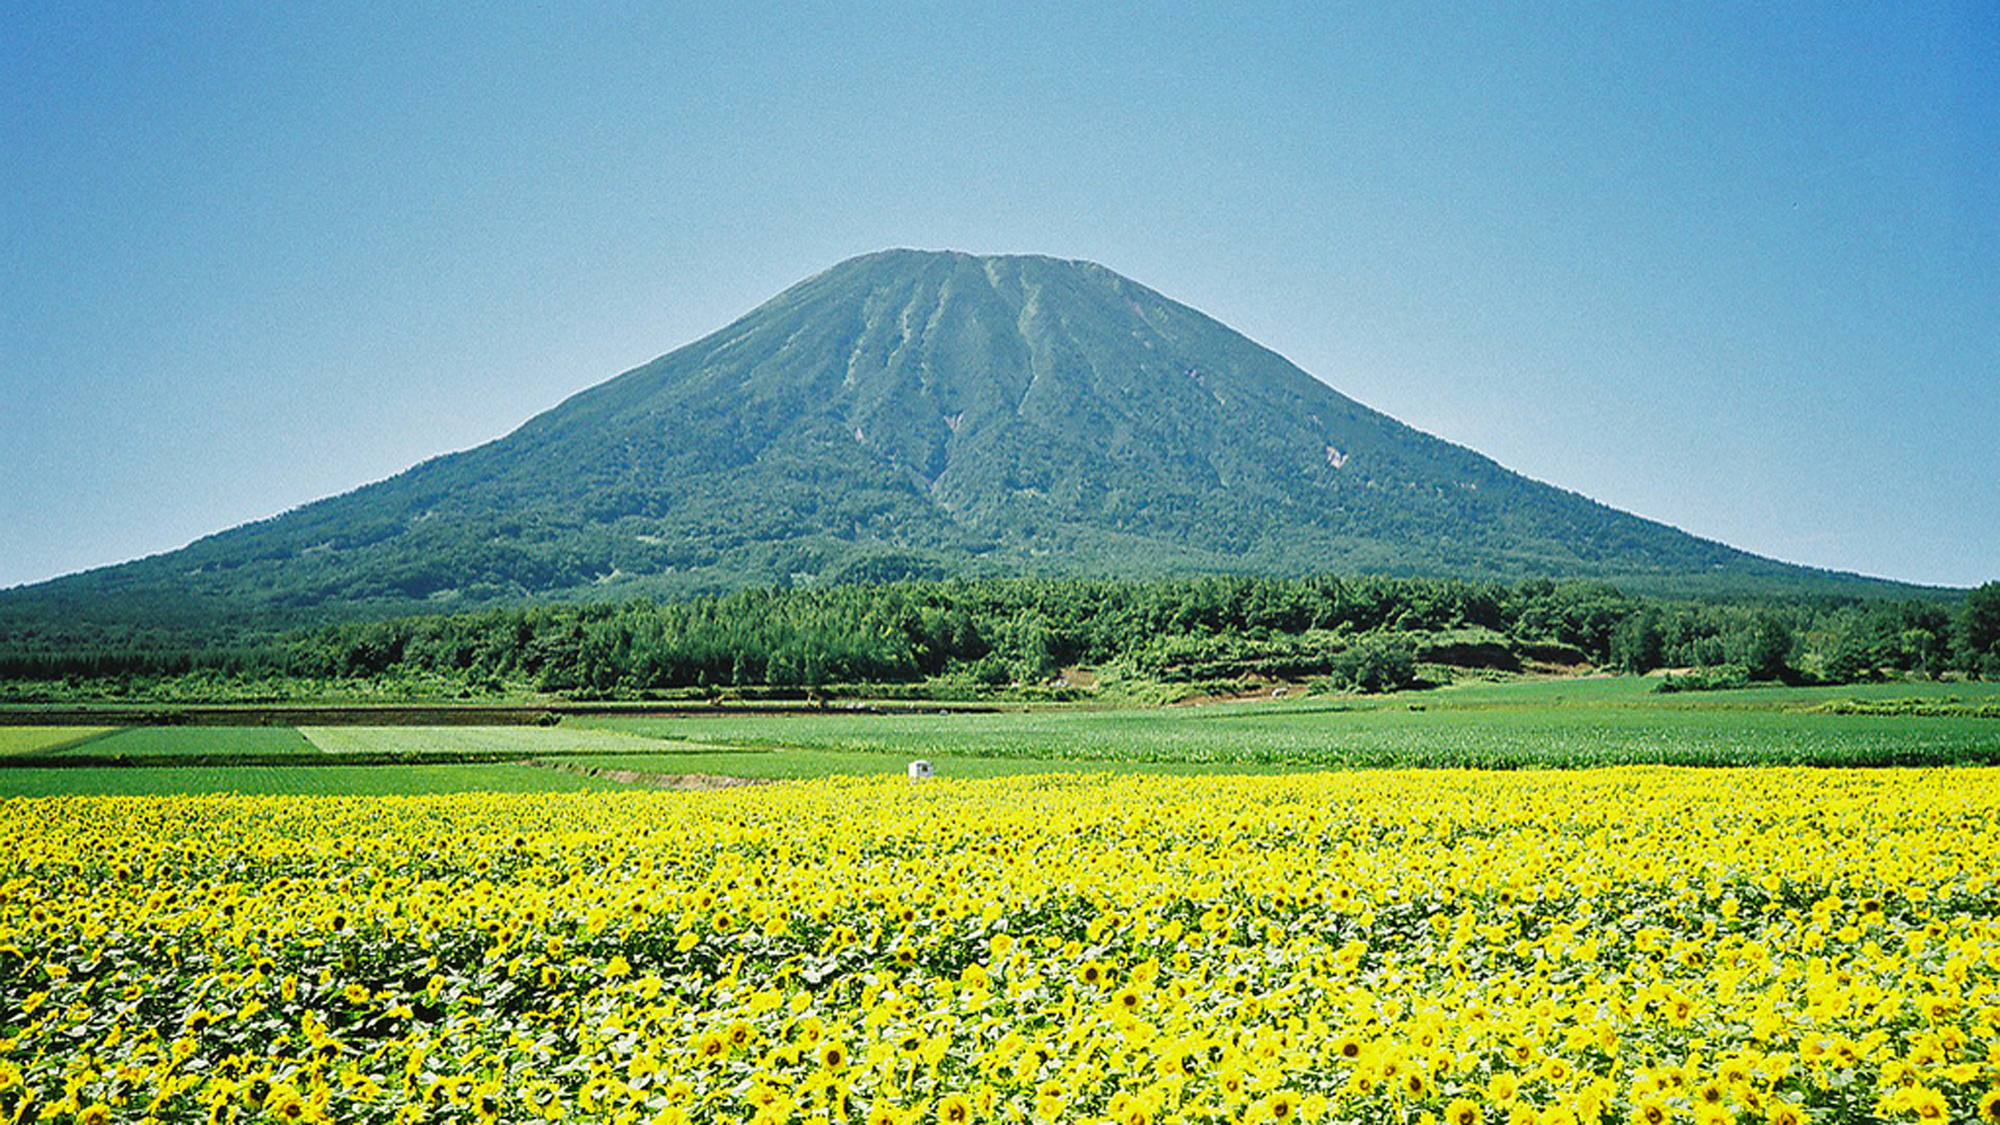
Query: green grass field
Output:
(1539,724)
(207,742)
(524,741)
(43,740)
(785,764)
(282,760)
(326,780)
(1640,693)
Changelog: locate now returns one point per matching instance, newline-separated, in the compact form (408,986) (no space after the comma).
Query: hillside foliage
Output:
(1369,633)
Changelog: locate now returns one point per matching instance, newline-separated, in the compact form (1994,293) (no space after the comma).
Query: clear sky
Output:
(1731,266)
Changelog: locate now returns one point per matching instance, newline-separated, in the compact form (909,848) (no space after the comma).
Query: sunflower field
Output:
(1641,945)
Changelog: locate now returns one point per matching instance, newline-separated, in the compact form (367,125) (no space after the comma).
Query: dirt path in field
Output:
(649,780)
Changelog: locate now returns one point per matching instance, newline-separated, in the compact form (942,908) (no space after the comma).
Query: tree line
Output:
(1367,632)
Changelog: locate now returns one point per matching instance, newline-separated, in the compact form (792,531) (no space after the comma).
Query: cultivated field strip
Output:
(187,744)
(1421,732)
(527,742)
(319,780)
(42,740)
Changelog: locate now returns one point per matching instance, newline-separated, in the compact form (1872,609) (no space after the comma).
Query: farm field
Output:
(1630,944)
(334,779)
(1548,724)
(525,741)
(214,742)
(154,761)
(194,764)
(788,764)
(39,740)
(1641,692)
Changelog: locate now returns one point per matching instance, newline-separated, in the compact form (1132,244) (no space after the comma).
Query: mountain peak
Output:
(919,412)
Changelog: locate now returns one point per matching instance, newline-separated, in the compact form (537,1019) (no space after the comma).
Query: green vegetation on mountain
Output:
(905,415)
(1163,638)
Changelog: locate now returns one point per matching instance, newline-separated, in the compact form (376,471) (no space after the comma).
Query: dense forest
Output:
(1354,633)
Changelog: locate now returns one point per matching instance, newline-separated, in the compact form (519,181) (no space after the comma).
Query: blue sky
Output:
(1733,267)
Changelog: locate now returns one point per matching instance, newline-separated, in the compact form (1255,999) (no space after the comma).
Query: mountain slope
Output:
(913,412)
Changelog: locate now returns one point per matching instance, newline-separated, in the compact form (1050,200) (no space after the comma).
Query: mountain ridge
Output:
(918,413)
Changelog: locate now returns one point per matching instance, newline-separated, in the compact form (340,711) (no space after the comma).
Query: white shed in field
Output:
(920,770)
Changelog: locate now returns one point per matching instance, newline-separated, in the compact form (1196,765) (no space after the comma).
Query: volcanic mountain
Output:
(912,413)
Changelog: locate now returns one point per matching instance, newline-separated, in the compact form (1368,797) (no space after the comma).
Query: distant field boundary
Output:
(431,714)
(263,716)
(41,761)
